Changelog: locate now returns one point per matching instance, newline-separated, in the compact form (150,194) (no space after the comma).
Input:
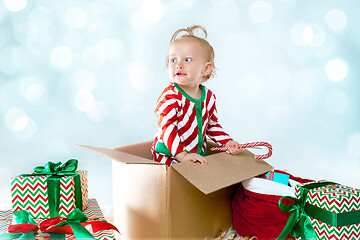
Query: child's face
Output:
(187,62)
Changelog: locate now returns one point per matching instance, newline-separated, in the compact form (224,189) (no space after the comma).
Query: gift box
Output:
(92,212)
(277,176)
(332,211)
(50,191)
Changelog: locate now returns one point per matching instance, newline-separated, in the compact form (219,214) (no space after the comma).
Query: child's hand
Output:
(233,147)
(194,157)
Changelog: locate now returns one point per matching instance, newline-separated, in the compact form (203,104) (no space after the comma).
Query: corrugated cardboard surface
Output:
(139,200)
(194,215)
(222,170)
(121,155)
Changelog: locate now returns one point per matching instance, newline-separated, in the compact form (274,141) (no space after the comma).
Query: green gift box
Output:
(323,210)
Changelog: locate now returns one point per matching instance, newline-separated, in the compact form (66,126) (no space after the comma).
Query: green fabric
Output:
(198,111)
(299,224)
(55,171)
(162,148)
(75,218)
(21,217)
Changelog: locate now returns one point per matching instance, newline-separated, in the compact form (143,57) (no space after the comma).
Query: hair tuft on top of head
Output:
(189,32)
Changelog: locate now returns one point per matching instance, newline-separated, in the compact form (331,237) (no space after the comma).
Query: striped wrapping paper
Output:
(30,193)
(93,212)
(334,198)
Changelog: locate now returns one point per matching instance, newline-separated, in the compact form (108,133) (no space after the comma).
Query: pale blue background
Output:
(90,72)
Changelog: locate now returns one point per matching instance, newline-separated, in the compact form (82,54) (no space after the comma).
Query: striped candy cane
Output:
(250,145)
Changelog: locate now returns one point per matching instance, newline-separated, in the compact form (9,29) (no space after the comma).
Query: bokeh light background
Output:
(90,72)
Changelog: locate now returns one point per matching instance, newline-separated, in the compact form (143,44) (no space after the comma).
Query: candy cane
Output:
(249,145)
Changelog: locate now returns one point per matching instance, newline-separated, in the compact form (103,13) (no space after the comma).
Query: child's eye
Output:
(174,60)
(188,59)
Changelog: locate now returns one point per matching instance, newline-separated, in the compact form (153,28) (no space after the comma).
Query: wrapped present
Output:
(89,224)
(52,190)
(277,176)
(324,210)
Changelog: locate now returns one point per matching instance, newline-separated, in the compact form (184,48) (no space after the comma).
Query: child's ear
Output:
(208,67)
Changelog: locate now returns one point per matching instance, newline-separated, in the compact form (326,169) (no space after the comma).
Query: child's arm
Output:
(194,157)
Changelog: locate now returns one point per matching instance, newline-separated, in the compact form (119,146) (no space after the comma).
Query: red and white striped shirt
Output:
(184,123)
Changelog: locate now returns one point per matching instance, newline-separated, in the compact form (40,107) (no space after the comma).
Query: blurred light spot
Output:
(98,111)
(140,76)
(336,20)
(93,57)
(15,5)
(261,11)
(353,144)
(112,48)
(225,11)
(84,100)
(302,34)
(308,34)
(336,70)
(36,94)
(76,17)
(72,39)
(61,57)
(16,119)
(41,17)
(336,102)
(85,80)
(319,36)
(152,10)
(28,131)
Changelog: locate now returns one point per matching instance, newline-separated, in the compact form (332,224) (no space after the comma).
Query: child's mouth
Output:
(179,73)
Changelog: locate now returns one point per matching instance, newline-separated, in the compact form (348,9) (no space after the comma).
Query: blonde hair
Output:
(189,34)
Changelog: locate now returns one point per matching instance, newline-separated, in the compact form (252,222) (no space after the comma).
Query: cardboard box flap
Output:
(222,170)
(118,155)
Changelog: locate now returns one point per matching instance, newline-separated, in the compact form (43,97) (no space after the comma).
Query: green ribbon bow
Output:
(74,220)
(23,218)
(299,223)
(56,171)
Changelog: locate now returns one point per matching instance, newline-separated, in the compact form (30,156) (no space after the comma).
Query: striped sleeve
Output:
(166,111)
(214,129)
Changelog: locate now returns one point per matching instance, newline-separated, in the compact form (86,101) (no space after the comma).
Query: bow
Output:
(25,227)
(57,168)
(74,223)
(299,224)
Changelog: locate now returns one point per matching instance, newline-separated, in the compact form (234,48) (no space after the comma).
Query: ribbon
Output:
(25,227)
(75,224)
(299,222)
(56,171)
(57,227)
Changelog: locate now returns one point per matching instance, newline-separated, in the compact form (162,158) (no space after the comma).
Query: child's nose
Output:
(179,67)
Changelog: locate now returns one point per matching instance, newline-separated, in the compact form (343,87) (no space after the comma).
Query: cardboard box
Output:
(186,200)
